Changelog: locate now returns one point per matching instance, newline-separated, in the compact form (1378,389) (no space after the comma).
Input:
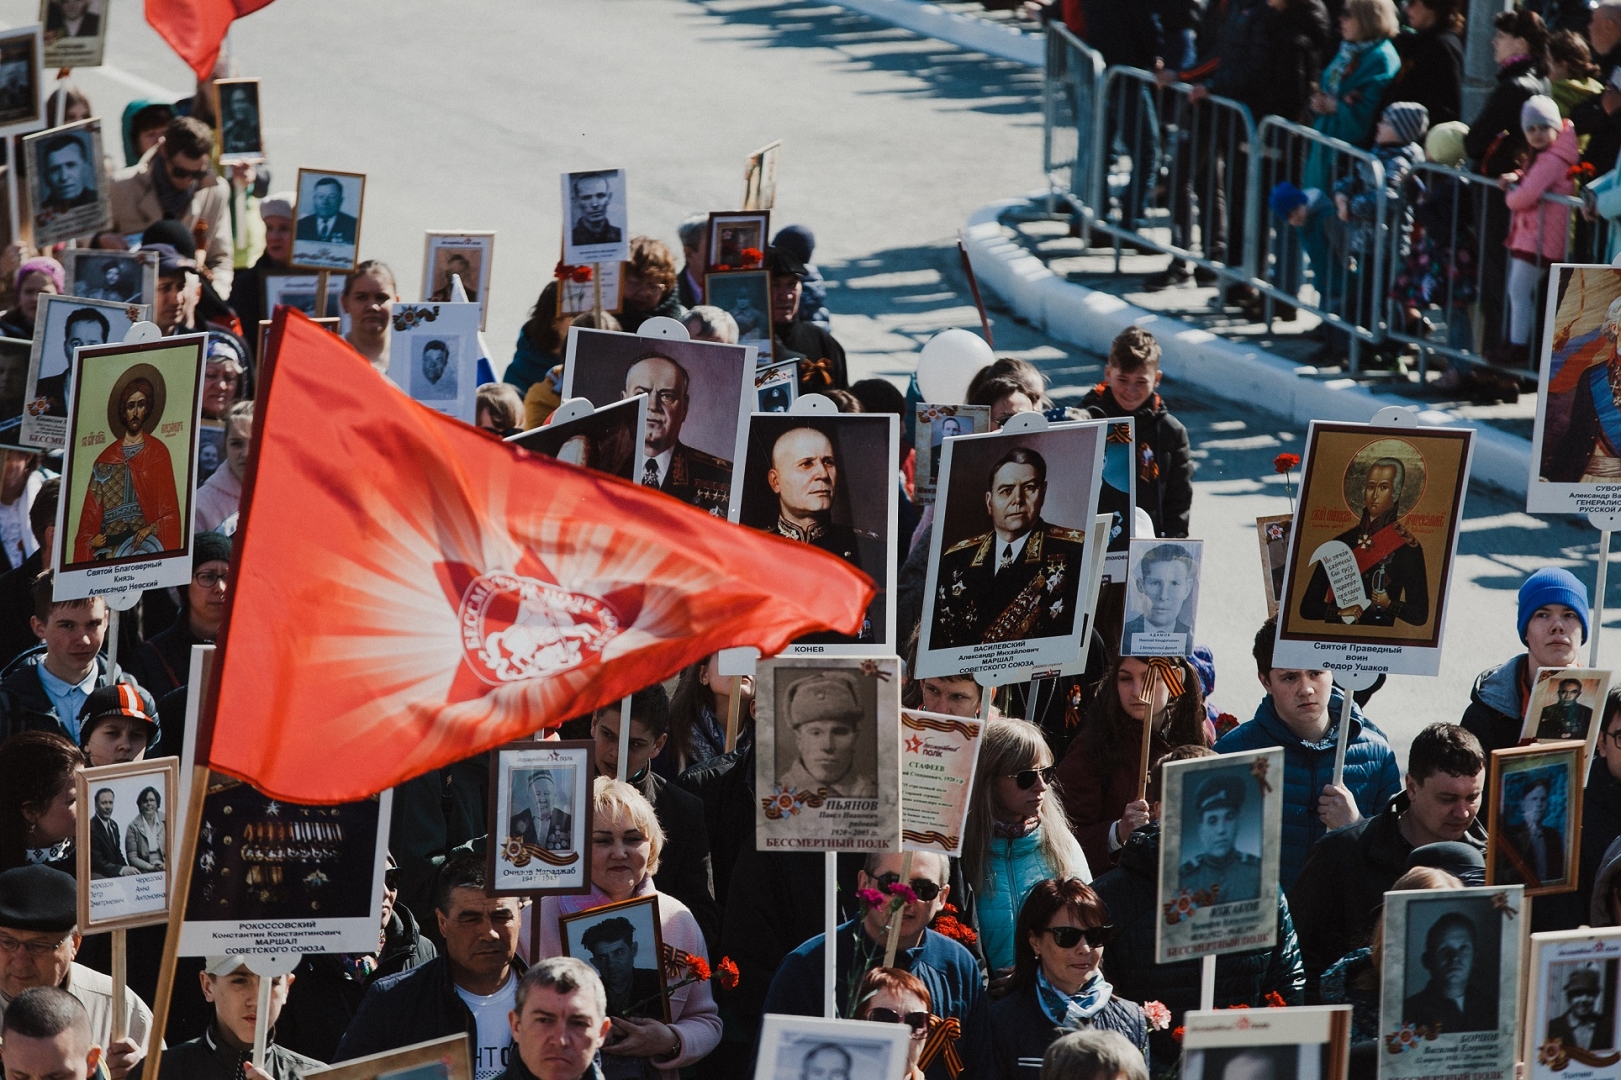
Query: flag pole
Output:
(321,277)
(895,919)
(733,713)
(177,915)
(1147,699)
(261,1020)
(120,983)
(624,738)
(973,286)
(830,943)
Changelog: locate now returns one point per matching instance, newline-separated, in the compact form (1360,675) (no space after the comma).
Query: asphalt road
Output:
(462,116)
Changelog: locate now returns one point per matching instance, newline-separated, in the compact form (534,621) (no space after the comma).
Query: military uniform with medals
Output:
(1034,596)
(861,549)
(1391,562)
(699,479)
(1237,873)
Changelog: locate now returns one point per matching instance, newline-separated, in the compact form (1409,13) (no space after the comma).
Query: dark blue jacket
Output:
(1371,773)
(945,967)
(24,704)
(411,1007)
(1021,1031)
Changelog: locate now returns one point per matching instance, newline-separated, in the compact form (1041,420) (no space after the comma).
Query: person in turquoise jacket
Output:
(1346,106)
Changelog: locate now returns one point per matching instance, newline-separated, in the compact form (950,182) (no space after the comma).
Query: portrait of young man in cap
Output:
(1584,1023)
(1219,866)
(824,716)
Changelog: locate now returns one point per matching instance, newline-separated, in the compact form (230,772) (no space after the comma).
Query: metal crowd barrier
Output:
(1070,90)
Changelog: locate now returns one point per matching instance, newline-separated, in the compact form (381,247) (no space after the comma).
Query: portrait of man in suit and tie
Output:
(71,18)
(107,841)
(326,235)
(700,479)
(326,220)
(1530,851)
(547,826)
(1586,1022)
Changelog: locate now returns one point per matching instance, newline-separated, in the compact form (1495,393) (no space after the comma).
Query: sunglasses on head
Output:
(1026,778)
(1067,937)
(917,1021)
(925,889)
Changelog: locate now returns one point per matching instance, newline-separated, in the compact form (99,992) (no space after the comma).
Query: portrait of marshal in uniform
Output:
(1576,441)
(131,507)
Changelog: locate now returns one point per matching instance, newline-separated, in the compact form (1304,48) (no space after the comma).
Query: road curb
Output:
(978,35)
(1233,371)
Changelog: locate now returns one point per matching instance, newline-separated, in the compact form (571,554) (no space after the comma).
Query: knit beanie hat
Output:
(1444,146)
(1409,118)
(42,265)
(207,547)
(1539,110)
(1551,585)
(1286,199)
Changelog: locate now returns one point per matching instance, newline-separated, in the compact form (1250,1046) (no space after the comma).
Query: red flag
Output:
(195,28)
(408,591)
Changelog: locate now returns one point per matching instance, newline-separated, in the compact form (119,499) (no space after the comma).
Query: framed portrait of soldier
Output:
(1566,703)
(449,1058)
(22,101)
(298,291)
(797,1047)
(433,356)
(1576,439)
(1007,554)
(1272,534)
(1536,799)
(75,32)
(1570,1022)
(1162,597)
(14,353)
(1371,552)
(746,296)
(699,394)
(124,521)
(286,877)
(625,943)
(326,221)
(68,182)
(760,177)
(1449,1001)
(467,255)
(827,481)
(125,843)
(64,324)
(1310,1042)
(540,818)
(236,108)
(737,240)
(776,386)
(595,217)
(933,425)
(1221,842)
(118,277)
(577,291)
(608,439)
(827,772)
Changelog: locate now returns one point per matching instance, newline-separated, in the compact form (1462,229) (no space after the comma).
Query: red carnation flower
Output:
(1284,462)
(698,968)
(726,974)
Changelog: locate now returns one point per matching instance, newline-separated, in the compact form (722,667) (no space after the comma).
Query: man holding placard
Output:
(226,1048)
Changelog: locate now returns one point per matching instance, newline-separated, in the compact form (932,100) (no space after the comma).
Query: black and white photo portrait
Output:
(1536,792)
(433,374)
(75,32)
(240,134)
(119,277)
(1452,961)
(464,255)
(540,818)
(21,105)
(546,797)
(69,181)
(1162,597)
(326,229)
(433,356)
(1217,855)
(624,943)
(745,295)
(595,223)
(812,1048)
(1582,996)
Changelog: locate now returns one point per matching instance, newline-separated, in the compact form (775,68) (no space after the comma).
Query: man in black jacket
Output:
(1348,872)
(17,585)
(1601,824)
(225,1049)
(822,363)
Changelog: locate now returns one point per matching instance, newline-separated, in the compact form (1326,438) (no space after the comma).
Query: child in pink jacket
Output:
(1537,231)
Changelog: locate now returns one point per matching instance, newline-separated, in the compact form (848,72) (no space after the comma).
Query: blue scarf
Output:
(1344,63)
(1072,1012)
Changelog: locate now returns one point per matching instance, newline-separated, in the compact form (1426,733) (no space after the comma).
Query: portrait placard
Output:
(275,877)
(1162,597)
(999,512)
(827,481)
(124,522)
(240,132)
(933,425)
(1118,496)
(14,353)
(1272,534)
(449,1058)
(1370,555)
(826,764)
(1443,947)
(1221,844)
(69,181)
(595,217)
(118,277)
(577,296)
(468,255)
(1570,1030)
(22,101)
(75,32)
(1310,1042)
(699,393)
(776,387)
(746,296)
(124,840)
(63,324)
(210,449)
(326,221)
(737,241)
(794,1047)
(760,177)
(608,439)
(939,756)
(625,943)
(433,356)
(1574,467)
(298,291)
(1566,703)
(540,809)
(1536,814)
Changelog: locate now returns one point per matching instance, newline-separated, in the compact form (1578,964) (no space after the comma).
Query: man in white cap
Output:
(248,291)
(225,1050)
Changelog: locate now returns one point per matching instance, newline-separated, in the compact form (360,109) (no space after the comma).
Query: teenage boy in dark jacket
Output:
(1163,459)
(225,1050)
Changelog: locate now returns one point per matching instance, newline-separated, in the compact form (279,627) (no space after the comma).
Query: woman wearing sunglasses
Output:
(1101,772)
(893,996)
(1017,835)
(1058,984)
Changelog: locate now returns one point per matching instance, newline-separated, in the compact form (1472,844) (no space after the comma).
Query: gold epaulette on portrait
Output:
(1060,532)
(698,457)
(1401,531)
(964,545)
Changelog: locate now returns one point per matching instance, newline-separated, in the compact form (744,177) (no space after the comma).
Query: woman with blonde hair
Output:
(626,841)
(1017,835)
(1353,85)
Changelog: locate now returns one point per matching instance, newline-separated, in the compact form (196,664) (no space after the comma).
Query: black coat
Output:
(24,705)
(433,814)
(1124,31)
(1243,56)
(17,607)
(684,863)
(824,365)
(208,1058)
(725,787)
(1494,142)
(1603,131)
(1162,458)
(1302,42)
(163,662)
(1021,1032)
(411,1007)
(1431,73)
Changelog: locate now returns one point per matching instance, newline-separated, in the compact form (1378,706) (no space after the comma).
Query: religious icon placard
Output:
(1570,1022)
(1576,441)
(1370,556)
(1221,845)
(124,523)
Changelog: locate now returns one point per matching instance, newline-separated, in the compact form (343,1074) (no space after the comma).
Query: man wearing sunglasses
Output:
(176,180)
(946,968)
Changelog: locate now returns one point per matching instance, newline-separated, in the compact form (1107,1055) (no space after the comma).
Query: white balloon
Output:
(949,363)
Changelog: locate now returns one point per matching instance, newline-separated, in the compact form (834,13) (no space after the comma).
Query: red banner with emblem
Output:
(408,591)
(195,28)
